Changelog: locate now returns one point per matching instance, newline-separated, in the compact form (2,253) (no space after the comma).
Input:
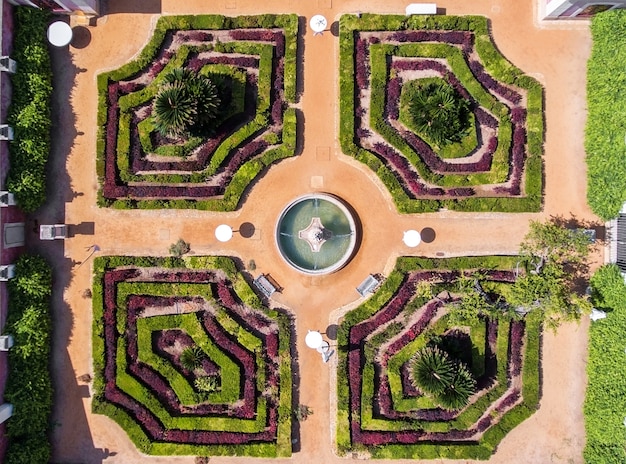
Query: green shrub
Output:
(606,112)
(179,248)
(605,400)
(29,386)
(207,383)
(29,112)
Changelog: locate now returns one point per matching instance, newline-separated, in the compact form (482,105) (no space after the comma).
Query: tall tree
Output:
(553,277)
(555,264)
(186,103)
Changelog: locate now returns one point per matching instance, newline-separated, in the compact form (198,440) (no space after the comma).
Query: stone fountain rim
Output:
(342,205)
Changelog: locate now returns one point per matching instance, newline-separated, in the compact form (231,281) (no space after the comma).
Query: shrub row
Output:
(130,148)
(606,107)
(605,399)
(29,386)
(150,395)
(243,145)
(429,165)
(370,411)
(354,74)
(29,113)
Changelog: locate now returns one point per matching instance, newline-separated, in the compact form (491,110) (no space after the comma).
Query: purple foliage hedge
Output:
(167,343)
(427,184)
(376,391)
(152,177)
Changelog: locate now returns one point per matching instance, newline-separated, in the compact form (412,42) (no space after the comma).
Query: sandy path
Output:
(556,57)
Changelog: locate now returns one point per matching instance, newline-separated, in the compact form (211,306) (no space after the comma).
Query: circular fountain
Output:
(316,234)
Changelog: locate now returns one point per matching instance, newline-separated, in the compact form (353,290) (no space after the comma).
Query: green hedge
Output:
(29,113)
(495,64)
(605,401)
(230,386)
(606,112)
(29,386)
(482,449)
(285,142)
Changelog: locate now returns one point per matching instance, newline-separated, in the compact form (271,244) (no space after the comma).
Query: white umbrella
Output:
(411,238)
(313,339)
(597,314)
(223,233)
(59,33)
(318,24)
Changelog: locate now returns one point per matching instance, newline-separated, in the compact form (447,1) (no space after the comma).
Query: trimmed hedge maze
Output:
(147,313)
(497,167)
(383,414)
(254,57)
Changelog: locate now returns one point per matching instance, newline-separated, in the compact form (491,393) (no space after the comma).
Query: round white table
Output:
(313,339)
(318,24)
(224,233)
(59,34)
(411,238)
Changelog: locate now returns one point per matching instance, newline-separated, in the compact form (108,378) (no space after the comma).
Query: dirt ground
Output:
(555,55)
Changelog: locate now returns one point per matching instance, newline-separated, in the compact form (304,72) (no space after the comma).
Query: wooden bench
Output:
(421,9)
(369,285)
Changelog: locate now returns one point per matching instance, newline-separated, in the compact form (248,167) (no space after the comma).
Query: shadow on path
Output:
(130,6)
(67,410)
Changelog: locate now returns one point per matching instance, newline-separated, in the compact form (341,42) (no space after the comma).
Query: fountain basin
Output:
(316,234)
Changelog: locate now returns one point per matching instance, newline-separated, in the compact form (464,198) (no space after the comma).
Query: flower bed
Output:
(147,311)
(380,410)
(382,54)
(255,56)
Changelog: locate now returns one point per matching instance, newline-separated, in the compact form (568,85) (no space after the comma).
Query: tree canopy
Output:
(552,278)
(439,112)
(187,102)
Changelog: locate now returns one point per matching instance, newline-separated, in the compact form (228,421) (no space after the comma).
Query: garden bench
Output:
(369,285)
(266,285)
(52,232)
(421,9)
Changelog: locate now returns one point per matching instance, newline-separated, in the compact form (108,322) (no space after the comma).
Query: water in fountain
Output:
(339,240)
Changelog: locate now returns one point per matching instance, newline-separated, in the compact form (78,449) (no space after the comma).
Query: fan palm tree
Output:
(187,102)
(440,113)
(207,98)
(174,110)
(457,393)
(432,370)
(191,357)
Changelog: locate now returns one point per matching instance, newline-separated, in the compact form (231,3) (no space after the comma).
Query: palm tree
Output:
(191,357)
(432,370)
(439,113)
(207,97)
(174,110)
(187,102)
(457,393)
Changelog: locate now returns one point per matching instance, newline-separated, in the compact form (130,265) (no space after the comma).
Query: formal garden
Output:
(484,155)
(188,361)
(445,359)
(163,143)
(389,407)
(441,362)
